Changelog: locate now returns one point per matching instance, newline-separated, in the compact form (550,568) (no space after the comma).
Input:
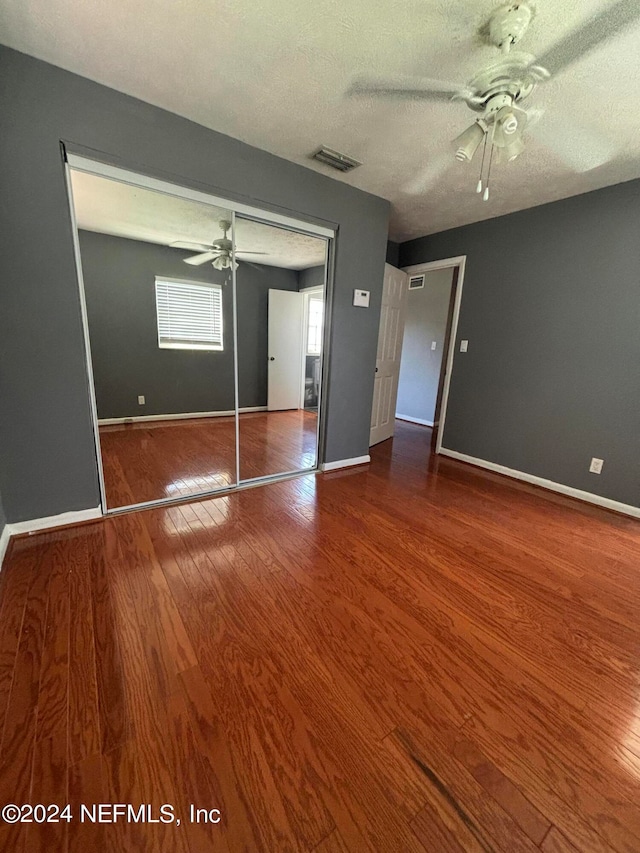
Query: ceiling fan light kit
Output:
(219,253)
(498,90)
(469,141)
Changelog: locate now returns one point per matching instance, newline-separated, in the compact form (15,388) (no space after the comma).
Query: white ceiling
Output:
(274,72)
(122,210)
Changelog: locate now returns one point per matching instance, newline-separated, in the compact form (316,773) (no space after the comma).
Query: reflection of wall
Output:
(119,279)
(312,277)
(427,312)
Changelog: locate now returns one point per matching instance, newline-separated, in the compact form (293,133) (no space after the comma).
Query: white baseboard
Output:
(181,416)
(4,542)
(414,420)
(345,463)
(581,495)
(36,524)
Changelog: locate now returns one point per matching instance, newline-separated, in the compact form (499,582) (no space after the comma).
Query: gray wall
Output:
(551,310)
(427,313)
(119,278)
(45,427)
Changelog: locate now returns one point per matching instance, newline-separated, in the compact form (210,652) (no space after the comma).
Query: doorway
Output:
(417,346)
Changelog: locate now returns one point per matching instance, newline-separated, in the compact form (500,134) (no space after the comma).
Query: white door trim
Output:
(445,263)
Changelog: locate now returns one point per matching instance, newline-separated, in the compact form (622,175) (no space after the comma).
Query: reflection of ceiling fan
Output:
(497,92)
(220,252)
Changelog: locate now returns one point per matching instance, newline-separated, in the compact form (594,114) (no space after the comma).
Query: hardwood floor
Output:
(147,461)
(414,655)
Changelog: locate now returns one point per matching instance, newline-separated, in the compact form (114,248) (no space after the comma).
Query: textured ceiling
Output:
(121,210)
(274,72)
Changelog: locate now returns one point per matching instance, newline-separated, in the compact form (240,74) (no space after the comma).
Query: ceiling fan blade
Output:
(198,260)
(412,88)
(249,252)
(579,147)
(198,247)
(603,26)
(427,177)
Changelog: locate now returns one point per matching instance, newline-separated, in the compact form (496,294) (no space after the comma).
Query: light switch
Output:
(464,346)
(361,298)
(434,344)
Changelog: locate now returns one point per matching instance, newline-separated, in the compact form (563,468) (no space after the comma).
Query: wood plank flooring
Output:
(152,460)
(411,656)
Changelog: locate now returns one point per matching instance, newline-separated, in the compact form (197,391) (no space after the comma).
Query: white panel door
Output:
(285,352)
(385,388)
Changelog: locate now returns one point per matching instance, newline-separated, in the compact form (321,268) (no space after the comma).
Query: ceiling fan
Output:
(497,94)
(219,252)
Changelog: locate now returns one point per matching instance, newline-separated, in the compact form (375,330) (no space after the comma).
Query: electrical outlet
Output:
(434,344)
(141,399)
(464,346)
(596,466)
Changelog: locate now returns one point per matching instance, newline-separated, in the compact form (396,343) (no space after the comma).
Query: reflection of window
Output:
(314,334)
(189,314)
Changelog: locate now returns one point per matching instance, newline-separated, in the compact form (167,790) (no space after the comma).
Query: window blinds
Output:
(189,315)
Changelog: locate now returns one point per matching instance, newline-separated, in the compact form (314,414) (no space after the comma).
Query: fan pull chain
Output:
(484,152)
(485,196)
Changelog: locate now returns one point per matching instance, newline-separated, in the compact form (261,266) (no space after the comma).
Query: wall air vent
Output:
(416,282)
(335,159)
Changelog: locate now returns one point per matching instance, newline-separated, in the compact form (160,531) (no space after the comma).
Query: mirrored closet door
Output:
(204,328)
(157,280)
(281,299)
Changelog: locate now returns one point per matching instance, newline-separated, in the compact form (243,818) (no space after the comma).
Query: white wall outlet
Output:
(596,466)
(141,399)
(464,346)
(361,298)
(434,344)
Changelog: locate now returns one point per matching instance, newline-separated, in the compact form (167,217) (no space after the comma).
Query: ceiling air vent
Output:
(416,282)
(335,159)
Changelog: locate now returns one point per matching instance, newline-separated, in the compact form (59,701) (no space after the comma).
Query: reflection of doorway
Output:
(312,346)
(286,315)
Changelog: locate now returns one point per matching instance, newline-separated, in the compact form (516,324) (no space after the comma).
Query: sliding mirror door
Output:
(156,273)
(281,288)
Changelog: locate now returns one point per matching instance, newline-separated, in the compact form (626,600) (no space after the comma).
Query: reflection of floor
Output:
(158,459)
(415,655)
